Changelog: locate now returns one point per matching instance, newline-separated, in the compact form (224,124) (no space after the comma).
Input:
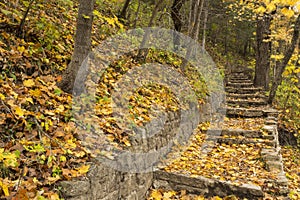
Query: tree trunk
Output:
(124,9)
(284,62)
(204,25)
(137,14)
(142,54)
(194,28)
(81,49)
(176,17)
(20,31)
(263,52)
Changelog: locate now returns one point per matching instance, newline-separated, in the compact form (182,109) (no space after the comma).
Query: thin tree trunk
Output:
(137,14)
(263,52)
(194,28)
(20,31)
(192,15)
(176,17)
(283,64)
(124,9)
(143,52)
(204,25)
(198,21)
(81,49)
(225,38)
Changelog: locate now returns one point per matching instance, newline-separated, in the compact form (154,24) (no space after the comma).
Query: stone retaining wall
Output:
(104,182)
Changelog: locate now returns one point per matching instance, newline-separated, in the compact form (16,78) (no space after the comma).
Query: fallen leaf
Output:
(29,83)
(19,111)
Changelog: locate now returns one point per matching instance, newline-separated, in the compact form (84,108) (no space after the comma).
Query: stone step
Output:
(246,102)
(251,134)
(239,85)
(241,140)
(247,96)
(205,186)
(239,81)
(238,78)
(250,90)
(244,112)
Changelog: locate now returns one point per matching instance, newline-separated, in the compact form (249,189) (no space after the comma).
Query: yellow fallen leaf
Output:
(217,198)
(60,108)
(48,112)
(21,49)
(35,93)
(53,179)
(169,194)
(4,188)
(156,195)
(83,169)
(127,143)
(19,111)
(29,100)
(29,83)
(54,196)
(2,96)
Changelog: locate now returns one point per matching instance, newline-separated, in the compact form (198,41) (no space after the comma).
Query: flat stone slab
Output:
(244,112)
(239,136)
(239,85)
(226,140)
(246,102)
(238,75)
(240,81)
(235,133)
(256,95)
(205,186)
(249,90)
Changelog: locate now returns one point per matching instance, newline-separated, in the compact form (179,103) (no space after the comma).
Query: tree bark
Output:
(176,17)
(284,62)
(194,28)
(124,9)
(81,49)
(143,52)
(137,14)
(263,52)
(204,25)
(20,32)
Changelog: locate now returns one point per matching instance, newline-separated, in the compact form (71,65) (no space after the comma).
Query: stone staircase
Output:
(244,103)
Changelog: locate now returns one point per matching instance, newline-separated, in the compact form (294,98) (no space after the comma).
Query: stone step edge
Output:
(204,186)
(243,112)
(239,79)
(258,89)
(249,101)
(265,111)
(246,96)
(272,156)
(255,134)
(242,141)
(239,84)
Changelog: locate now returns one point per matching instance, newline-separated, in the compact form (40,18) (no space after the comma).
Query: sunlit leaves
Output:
(4,188)
(237,163)
(287,12)
(35,115)
(291,158)
(9,159)
(19,111)
(161,194)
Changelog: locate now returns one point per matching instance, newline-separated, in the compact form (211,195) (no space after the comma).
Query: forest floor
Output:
(39,143)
